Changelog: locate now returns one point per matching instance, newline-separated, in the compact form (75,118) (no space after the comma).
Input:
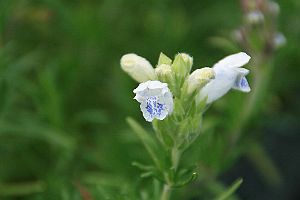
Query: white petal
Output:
(150,85)
(139,98)
(234,60)
(141,87)
(242,71)
(148,117)
(216,88)
(156,85)
(168,101)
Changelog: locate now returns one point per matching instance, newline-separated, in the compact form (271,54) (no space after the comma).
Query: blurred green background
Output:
(64,98)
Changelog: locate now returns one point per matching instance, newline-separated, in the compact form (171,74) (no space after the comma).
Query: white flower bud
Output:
(228,75)
(199,78)
(164,72)
(137,67)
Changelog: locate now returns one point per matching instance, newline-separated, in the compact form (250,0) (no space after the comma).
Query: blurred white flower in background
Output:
(228,75)
(279,40)
(155,98)
(255,17)
(137,67)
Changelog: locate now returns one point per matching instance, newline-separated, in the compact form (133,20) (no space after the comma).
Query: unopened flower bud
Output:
(164,72)
(199,78)
(137,67)
(182,64)
(187,59)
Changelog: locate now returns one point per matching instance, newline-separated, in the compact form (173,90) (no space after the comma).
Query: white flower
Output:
(137,67)
(155,98)
(228,74)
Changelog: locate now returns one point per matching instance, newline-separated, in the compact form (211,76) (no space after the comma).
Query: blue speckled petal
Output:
(242,84)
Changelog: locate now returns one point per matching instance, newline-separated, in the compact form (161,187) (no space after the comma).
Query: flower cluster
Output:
(259,30)
(161,89)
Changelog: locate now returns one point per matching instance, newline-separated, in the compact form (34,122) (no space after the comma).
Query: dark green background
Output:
(64,98)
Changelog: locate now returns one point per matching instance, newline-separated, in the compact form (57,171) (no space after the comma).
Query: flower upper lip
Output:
(234,61)
(153,85)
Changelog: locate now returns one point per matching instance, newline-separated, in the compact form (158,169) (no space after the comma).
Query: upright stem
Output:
(176,154)
(175,158)
(259,92)
(166,193)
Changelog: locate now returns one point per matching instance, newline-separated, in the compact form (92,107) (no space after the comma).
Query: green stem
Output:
(254,103)
(251,107)
(166,193)
(167,189)
(176,155)
(260,159)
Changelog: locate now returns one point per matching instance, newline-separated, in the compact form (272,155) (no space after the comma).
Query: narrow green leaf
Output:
(190,179)
(147,140)
(264,164)
(21,189)
(230,190)
(147,174)
(142,166)
(224,44)
(37,131)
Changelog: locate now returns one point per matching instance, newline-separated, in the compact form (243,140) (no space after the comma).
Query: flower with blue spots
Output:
(155,98)
(228,75)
